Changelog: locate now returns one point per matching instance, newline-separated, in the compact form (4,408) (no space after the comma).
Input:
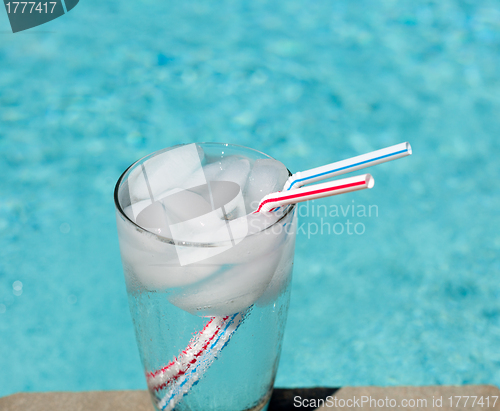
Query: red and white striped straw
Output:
(283,198)
(179,376)
(178,366)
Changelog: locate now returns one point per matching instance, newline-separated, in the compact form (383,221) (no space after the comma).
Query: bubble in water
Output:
(17,287)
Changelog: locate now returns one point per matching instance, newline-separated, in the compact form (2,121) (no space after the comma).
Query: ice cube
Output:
(228,291)
(250,266)
(233,169)
(174,206)
(236,170)
(195,216)
(154,218)
(129,213)
(267,176)
(233,279)
(153,263)
(186,204)
(218,234)
(283,273)
(207,228)
(179,167)
(212,170)
(162,271)
(226,196)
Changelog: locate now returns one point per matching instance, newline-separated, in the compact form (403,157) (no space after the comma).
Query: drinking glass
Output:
(209,305)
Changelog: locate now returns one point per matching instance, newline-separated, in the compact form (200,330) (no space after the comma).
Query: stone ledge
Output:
(282,400)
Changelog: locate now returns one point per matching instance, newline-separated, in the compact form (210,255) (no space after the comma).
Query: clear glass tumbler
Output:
(209,308)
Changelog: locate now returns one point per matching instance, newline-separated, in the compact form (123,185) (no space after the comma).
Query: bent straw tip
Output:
(369,180)
(408,148)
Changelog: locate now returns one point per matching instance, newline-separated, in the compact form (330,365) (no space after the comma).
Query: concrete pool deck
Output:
(382,398)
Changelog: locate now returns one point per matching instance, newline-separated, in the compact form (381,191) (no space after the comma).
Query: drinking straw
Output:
(346,185)
(185,370)
(178,366)
(346,166)
(194,360)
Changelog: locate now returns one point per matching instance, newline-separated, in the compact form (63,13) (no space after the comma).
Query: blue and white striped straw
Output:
(346,166)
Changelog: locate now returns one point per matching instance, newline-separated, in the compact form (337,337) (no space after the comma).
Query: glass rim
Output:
(119,208)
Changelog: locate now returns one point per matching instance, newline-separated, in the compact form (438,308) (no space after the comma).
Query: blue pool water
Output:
(413,300)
